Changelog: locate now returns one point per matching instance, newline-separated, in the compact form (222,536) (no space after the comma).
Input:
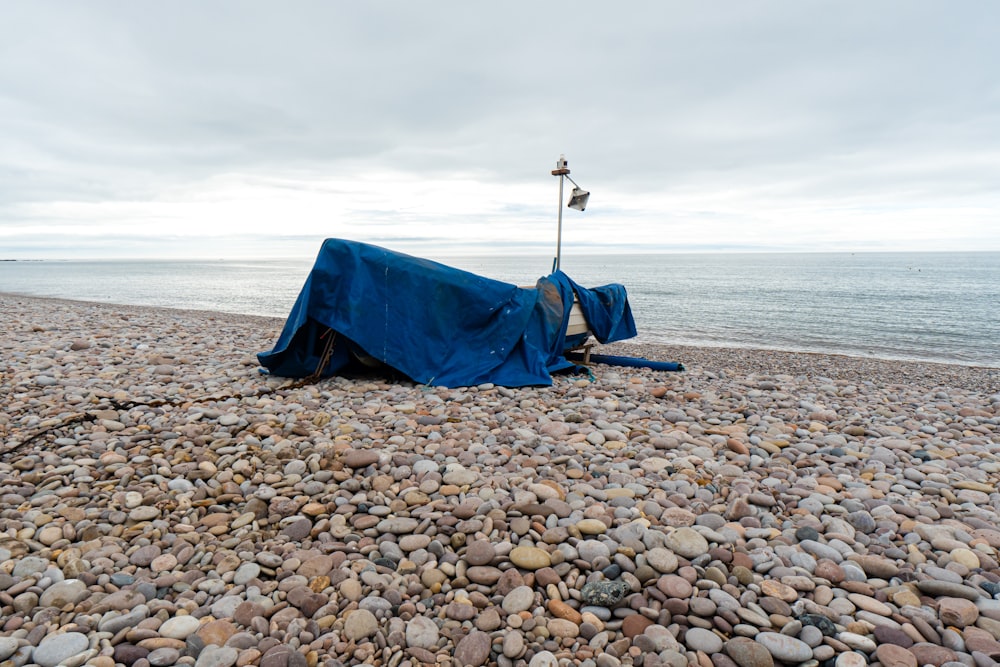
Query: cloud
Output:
(724,125)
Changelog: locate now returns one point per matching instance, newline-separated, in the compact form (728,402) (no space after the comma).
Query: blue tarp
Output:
(433,323)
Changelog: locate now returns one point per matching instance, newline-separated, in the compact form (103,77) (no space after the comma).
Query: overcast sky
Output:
(139,129)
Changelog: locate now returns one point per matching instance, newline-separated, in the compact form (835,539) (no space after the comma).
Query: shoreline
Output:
(734,359)
(164,503)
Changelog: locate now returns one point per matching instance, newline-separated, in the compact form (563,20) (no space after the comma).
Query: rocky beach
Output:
(164,503)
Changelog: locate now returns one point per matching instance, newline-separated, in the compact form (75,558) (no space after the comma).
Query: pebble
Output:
(215,656)
(529,558)
(63,593)
(8,645)
(360,624)
(784,648)
(179,627)
(700,639)
(167,504)
(56,649)
(422,632)
(686,542)
(520,599)
(745,652)
(473,650)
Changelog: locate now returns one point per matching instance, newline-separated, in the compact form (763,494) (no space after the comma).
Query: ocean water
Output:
(942,307)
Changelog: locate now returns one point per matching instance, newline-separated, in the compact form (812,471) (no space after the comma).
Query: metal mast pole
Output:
(559,232)
(562,168)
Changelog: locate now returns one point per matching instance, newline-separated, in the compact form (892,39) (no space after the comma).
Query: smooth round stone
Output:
(162,657)
(601,613)
(562,610)
(520,599)
(459,475)
(965,557)
(480,552)
(246,573)
(784,648)
(359,458)
(851,659)
(591,527)
(121,579)
(942,574)
(58,648)
(488,620)
(397,525)
(351,589)
(179,627)
(216,656)
(8,646)
(181,485)
(360,624)
(458,611)
(424,466)
(226,606)
(127,654)
(63,593)
(862,521)
(804,533)
(886,635)
(113,622)
(421,632)
(948,589)
(699,639)
(745,652)
(820,550)
(686,542)
(700,606)
(144,513)
(163,563)
(591,550)
(856,641)
(49,534)
(474,649)
(513,644)
(811,635)
(562,628)
(144,556)
(891,655)
(675,586)
(484,574)
(877,566)
(410,543)
(830,571)
(869,604)
(544,659)
(805,561)
(662,560)
(229,419)
(529,558)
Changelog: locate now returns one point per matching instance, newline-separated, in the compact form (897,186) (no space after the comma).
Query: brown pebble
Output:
(891,655)
(479,552)
(562,610)
(359,458)
(635,625)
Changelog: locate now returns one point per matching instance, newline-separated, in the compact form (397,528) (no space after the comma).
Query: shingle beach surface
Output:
(163,503)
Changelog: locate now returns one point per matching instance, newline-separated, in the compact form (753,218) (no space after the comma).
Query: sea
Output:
(934,307)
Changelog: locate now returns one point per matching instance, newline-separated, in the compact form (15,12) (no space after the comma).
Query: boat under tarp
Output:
(436,324)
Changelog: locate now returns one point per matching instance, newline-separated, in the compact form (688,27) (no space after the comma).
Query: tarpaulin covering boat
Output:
(436,324)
